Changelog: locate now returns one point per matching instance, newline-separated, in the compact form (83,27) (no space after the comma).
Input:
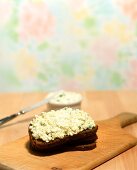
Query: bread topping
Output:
(57,124)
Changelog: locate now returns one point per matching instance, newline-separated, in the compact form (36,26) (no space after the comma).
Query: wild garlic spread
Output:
(57,124)
(65,98)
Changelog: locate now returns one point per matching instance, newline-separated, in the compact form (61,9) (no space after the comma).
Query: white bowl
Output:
(64,98)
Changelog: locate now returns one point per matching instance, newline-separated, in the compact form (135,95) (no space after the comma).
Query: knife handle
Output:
(8,118)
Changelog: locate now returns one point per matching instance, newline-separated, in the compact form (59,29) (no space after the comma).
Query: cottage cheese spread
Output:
(58,124)
(65,98)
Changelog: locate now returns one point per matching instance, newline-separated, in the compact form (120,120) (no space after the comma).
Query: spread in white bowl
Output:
(64,98)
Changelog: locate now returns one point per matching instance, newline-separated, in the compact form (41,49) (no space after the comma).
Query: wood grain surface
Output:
(101,105)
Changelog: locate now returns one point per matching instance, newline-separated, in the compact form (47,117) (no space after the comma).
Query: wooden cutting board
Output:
(112,140)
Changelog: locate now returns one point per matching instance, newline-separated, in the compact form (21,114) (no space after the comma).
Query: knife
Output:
(25,110)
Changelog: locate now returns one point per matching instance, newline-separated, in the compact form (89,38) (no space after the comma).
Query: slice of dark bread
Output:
(84,140)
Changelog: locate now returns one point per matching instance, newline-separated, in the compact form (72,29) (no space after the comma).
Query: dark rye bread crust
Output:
(84,140)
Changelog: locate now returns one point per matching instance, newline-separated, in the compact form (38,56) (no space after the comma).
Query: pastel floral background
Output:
(68,44)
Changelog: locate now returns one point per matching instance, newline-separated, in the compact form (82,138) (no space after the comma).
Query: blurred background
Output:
(47,45)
